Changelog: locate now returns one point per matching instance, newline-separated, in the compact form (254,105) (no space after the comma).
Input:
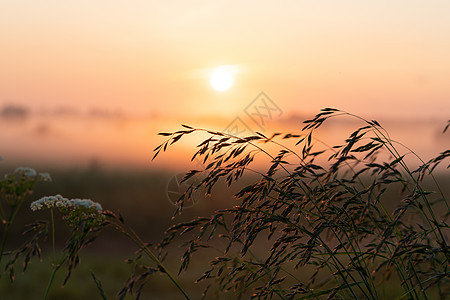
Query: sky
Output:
(154,58)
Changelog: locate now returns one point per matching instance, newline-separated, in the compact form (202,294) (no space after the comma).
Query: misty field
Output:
(355,220)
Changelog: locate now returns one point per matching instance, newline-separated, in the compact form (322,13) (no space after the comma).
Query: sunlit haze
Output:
(221,79)
(97,80)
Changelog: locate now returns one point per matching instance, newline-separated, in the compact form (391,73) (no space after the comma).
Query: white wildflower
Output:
(45,177)
(59,202)
(25,171)
(50,202)
(97,206)
(87,203)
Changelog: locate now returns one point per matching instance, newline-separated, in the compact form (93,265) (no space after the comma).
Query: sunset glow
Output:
(221,79)
(283,149)
(160,61)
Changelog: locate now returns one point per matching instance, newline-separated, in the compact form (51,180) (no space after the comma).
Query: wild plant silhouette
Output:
(323,213)
(318,222)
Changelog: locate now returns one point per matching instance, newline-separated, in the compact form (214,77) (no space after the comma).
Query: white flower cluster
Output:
(86,203)
(50,202)
(25,171)
(29,172)
(59,201)
(45,177)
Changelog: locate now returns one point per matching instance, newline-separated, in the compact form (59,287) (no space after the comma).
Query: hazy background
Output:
(86,85)
(92,82)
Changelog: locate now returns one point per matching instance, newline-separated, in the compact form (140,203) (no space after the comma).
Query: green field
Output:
(141,196)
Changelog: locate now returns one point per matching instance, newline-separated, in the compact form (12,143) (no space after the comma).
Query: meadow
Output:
(141,197)
(358,224)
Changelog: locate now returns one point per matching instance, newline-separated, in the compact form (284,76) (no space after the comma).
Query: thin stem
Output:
(50,281)
(129,232)
(53,235)
(2,211)
(5,234)
(14,210)
(54,265)
(430,173)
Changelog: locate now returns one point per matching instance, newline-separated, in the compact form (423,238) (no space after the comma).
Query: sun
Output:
(221,79)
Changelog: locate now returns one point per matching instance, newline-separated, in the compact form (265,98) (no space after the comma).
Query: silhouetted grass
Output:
(347,221)
(328,228)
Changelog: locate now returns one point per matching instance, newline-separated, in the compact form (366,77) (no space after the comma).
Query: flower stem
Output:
(129,232)
(5,234)
(54,265)
(53,235)
(50,281)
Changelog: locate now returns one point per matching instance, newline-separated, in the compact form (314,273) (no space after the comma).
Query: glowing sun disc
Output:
(221,79)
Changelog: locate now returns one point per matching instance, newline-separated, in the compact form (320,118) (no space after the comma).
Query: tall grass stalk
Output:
(118,223)
(14,188)
(55,266)
(331,216)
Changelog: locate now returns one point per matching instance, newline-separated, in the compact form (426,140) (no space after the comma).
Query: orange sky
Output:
(153,58)
(150,55)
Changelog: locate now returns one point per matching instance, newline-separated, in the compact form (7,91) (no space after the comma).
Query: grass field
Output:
(142,198)
(355,220)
